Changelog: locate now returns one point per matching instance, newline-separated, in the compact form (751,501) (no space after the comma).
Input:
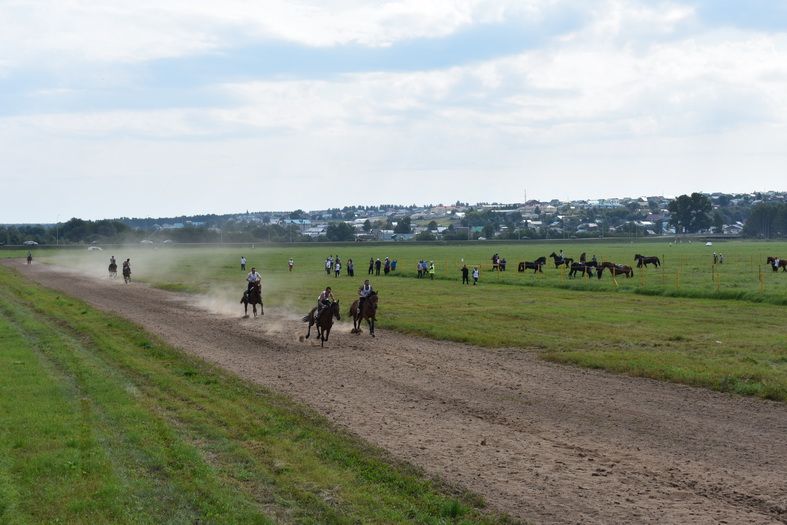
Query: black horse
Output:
(113,270)
(126,273)
(581,268)
(561,260)
(252,297)
(368,312)
(642,260)
(324,321)
(29,259)
(534,265)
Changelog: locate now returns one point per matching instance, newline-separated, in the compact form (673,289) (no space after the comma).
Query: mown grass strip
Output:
(228,446)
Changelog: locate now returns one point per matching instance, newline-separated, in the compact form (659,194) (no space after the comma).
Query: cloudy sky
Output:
(153,108)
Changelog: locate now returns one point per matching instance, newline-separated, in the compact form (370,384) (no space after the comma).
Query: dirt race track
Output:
(543,442)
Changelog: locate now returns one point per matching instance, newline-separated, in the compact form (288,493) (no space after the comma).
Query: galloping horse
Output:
(324,322)
(561,259)
(616,269)
(641,259)
(369,312)
(29,259)
(535,265)
(113,270)
(782,263)
(583,268)
(252,297)
(126,273)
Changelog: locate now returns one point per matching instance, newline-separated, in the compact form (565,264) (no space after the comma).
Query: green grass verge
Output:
(102,423)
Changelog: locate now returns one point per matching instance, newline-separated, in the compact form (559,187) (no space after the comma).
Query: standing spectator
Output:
(290,264)
(350,268)
(420,269)
(502,264)
(465,275)
(715,258)
(377,265)
(337,268)
(721,258)
(371,265)
(431,270)
(243,263)
(475,275)
(387,266)
(393,265)
(328,265)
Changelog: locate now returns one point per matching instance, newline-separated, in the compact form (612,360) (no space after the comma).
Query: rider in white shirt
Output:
(363,292)
(253,278)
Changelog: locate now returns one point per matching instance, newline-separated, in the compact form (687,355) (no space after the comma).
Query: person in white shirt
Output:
(290,264)
(242,263)
(475,275)
(253,278)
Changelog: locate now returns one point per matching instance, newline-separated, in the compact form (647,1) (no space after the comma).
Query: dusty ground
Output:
(543,442)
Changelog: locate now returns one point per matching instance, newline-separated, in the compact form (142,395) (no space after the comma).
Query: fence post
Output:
(762,280)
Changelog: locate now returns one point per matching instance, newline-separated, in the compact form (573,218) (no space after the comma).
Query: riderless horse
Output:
(582,268)
(616,269)
(534,265)
(642,260)
(368,312)
(561,260)
(252,297)
(324,321)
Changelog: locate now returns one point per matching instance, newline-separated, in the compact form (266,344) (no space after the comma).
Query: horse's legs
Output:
(370,322)
(262,310)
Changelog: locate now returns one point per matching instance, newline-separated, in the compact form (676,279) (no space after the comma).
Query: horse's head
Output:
(637,257)
(553,254)
(771,259)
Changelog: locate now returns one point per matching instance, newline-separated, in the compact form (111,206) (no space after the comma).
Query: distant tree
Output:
(425,235)
(691,213)
(340,231)
(297,215)
(432,226)
(489,231)
(718,222)
(403,225)
(367,226)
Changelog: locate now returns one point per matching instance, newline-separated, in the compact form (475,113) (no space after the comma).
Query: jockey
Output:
(325,299)
(112,260)
(253,278)
(363,292)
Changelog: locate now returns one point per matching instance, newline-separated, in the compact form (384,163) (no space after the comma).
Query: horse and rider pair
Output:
(327,309)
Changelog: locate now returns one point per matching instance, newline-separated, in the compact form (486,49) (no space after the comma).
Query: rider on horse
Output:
(325,299)
(254,279)
(363,292)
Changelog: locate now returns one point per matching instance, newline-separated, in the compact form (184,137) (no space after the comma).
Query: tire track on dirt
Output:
(543,442)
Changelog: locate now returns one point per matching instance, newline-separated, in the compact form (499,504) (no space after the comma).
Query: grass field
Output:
(730,340)
(102,423)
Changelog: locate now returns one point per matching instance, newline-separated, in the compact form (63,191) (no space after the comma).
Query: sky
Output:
(170,107)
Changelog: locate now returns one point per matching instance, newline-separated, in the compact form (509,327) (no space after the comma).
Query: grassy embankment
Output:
(729,345)
(102,423)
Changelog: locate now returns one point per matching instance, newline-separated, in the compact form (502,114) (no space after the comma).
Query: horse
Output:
(369,312)
(29,259)
(324,322)
(782,263)
(583,268)
(534,265)
(127,274)
(252,297)
(646,261)
(561,260)
(113,270)
(616,269)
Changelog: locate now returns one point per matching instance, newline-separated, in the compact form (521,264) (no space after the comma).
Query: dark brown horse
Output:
(561,260)
(581,268)
(642,260)
(616,269)
(782,263)
(29,259)
(113,270)
(126,273)
(368,312)
(534,265)
(324,321)
(252,297)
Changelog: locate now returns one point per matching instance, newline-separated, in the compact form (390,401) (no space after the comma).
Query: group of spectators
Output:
(387,265)
(425,268)
(334,265)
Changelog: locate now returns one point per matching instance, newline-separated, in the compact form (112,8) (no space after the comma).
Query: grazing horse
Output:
(324,322)
(113,270)
(561,259)
(616,269)
(369,312)
(252,297)
(534,265)
(581,267)
(782,263)
(642,260)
